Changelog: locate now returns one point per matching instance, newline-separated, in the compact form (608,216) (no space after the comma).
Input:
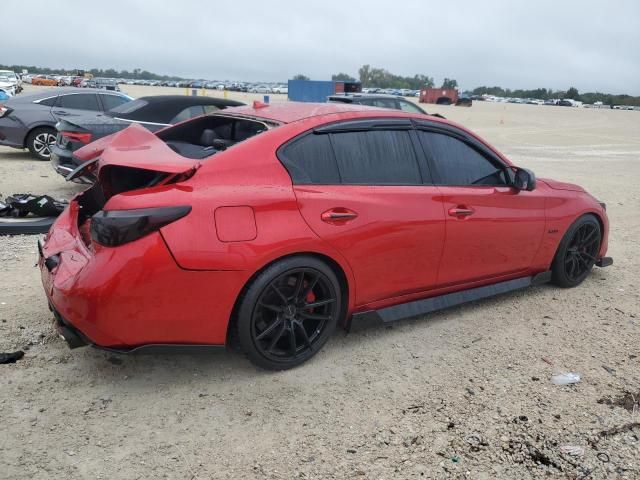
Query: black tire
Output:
(288,312)
(39,142)
(577,252)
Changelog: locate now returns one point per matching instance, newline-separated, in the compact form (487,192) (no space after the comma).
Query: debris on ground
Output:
(12,357)
(19,205)
(565,378)
(572,450)
(628,400)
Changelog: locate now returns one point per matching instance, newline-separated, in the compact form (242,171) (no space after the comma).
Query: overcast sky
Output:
(592,45)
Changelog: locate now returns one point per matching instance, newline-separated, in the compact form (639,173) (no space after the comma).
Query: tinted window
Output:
(210,108)
(81,101)
(385,103)
(49,102)
(113,101)
(409,107)
(376,158)
(310,160)
(130,107)
(188,113)
(456,163)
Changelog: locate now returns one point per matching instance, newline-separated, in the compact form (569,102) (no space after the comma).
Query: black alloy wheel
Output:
(578,252)
(293,313)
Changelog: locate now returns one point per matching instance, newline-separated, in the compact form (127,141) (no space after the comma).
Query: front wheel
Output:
(577,253)
(40,141)
(289,312)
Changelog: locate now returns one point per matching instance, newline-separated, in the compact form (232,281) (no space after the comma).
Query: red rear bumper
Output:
(134,294)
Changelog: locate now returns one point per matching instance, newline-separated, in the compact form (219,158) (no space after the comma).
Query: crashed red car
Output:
(268,226)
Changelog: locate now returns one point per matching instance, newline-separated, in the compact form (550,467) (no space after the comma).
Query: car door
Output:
(492,229)
(362,187)
(74,104)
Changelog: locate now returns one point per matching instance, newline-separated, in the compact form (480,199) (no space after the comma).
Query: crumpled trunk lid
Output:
(136,148)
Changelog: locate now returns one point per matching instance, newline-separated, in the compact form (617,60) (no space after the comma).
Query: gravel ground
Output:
(463,393)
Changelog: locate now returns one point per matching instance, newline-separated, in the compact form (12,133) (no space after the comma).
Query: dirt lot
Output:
(464,393)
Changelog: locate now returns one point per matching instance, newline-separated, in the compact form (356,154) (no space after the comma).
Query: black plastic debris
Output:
(25,213)
(20,205)
(12,357)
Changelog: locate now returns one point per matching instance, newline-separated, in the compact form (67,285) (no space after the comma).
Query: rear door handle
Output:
(461,211)
(338,215)
(62,113)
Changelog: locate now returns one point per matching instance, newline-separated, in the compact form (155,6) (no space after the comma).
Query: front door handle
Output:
(62,113)
(461,211)
(338,215)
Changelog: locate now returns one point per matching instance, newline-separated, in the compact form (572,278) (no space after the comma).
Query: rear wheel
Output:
(577,253)
(40,141)
(289,312)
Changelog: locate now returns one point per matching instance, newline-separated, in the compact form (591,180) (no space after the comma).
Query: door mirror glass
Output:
(524,179)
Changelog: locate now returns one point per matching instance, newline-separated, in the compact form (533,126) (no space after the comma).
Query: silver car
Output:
(28,121)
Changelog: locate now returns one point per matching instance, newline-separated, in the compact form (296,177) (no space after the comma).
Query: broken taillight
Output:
(116,227)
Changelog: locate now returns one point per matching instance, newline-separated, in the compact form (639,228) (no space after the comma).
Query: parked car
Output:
(259,89)
(7,85)
(154,113)
(44,80)
(106,84)
(13,78)
(28,121)
(271,225)
(377,100)
(281,89)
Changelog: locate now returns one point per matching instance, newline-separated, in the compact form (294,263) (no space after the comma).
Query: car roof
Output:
(188,100)
(287,112)
(362,95)
(54,92)
(162,108)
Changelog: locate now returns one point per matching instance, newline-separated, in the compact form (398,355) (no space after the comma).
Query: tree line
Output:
(548,93)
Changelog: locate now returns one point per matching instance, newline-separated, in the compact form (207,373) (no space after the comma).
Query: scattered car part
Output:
(12,357)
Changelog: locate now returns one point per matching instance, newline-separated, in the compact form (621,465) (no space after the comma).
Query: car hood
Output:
(134,147)
(556,185)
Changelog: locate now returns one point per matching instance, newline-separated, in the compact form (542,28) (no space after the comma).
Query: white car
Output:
(284,89)
(260,89)
(13,78)
(7,85)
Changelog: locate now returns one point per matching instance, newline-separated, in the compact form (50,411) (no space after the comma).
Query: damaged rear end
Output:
(76,258)
(108,272)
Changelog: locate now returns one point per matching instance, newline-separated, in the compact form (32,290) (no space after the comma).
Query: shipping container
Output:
(319,90)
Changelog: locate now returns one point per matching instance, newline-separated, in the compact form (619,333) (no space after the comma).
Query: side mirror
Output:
(524,179)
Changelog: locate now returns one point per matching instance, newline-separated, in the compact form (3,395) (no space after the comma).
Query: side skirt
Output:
(433,304)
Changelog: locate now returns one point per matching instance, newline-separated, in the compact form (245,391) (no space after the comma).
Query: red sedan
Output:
(269,226)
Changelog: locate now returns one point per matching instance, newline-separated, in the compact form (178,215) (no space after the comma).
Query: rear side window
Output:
(113,101)
(310,159)
(79,101)
(48,102)
(457,163)
(210,108)
(377,157)
(409,107)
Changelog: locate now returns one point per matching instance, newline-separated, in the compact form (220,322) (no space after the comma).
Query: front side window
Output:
(457,163)
(376,157)
(385,103)
(79,101)
(409,107)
